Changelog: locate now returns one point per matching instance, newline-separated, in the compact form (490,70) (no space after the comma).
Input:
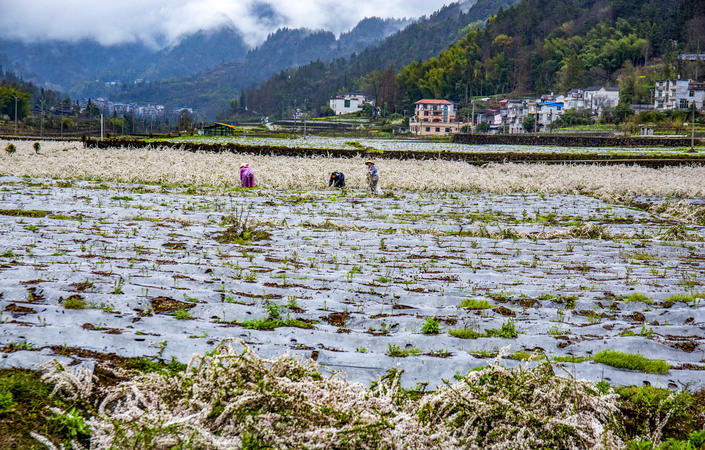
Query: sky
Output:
(161,22)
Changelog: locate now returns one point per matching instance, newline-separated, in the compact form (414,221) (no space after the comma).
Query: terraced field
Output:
(380,144)
(433,283)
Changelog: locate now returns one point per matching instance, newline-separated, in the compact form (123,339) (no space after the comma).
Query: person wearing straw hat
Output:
(247,177)
(372,177)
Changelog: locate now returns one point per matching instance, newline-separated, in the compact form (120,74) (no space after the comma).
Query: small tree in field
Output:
(10,149)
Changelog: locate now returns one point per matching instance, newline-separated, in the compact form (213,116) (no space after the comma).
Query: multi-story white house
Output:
(576,100)
(672,95)
(598,98)
(433,117)
(548,112)
(517,110)
(348,103)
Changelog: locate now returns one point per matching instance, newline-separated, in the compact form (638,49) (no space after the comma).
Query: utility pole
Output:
(101,126)
(692,133)
(536,122)
(41,123)
(15,95)
(472,127)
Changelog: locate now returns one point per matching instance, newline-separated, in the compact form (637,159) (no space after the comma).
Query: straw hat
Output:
(243,165)
(370,162)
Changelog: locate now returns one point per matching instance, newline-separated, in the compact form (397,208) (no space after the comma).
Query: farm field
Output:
(109,254)
(353,278)
(348,143)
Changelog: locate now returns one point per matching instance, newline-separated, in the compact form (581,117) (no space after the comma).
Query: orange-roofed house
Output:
(434,117)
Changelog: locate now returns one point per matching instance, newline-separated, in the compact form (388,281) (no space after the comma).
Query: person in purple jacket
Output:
(247,177)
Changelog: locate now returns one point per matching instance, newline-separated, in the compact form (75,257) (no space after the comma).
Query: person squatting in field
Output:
(247,177)
(372,177)
(337,179)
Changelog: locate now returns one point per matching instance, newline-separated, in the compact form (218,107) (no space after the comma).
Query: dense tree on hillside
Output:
(540,46)
(7,103)
(32,95)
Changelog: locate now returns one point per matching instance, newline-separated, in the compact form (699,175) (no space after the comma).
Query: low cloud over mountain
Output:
(160,23)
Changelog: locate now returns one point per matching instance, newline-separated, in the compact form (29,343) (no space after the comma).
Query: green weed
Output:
(472,303)
(464,333)
(430,326)
(631,361)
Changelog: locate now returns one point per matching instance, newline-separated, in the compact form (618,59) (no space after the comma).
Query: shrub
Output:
(10,149)
(631,361)
(430,326)
(36,147)
(241,229)
(645,409)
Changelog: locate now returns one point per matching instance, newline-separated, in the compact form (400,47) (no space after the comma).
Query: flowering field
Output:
(173,167)
(143,253)
(351,143)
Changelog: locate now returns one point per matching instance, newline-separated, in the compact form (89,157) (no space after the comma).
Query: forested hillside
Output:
(539,46)
(311,85)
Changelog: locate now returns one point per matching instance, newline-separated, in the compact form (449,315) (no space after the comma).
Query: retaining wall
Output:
(573,140)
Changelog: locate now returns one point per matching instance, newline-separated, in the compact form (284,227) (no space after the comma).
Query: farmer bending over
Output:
(247,177)
(337,179)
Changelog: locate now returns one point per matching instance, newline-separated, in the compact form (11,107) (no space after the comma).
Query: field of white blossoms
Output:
(504,306)
(69,160)
(384,144)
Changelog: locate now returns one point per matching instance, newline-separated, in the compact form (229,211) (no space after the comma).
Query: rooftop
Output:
(433,102)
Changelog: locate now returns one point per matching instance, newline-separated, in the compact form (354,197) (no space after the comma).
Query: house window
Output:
(438,130)
(428,128)
(447,130)
(684,104)
(691,93)
(347,103)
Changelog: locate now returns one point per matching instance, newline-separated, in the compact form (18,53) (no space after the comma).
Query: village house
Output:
(348,103)
(670,95)
(434,117)
(599,98)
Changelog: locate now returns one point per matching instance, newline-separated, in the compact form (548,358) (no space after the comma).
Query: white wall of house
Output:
(348,103)
(598,99)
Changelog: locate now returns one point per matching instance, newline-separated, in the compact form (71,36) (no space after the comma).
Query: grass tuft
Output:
(472,303)
(631,361)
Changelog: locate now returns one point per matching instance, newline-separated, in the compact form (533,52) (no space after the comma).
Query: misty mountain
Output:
(83,68)
(212,89)
(422,40)
(368,31)
(60,64)
(72,66)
